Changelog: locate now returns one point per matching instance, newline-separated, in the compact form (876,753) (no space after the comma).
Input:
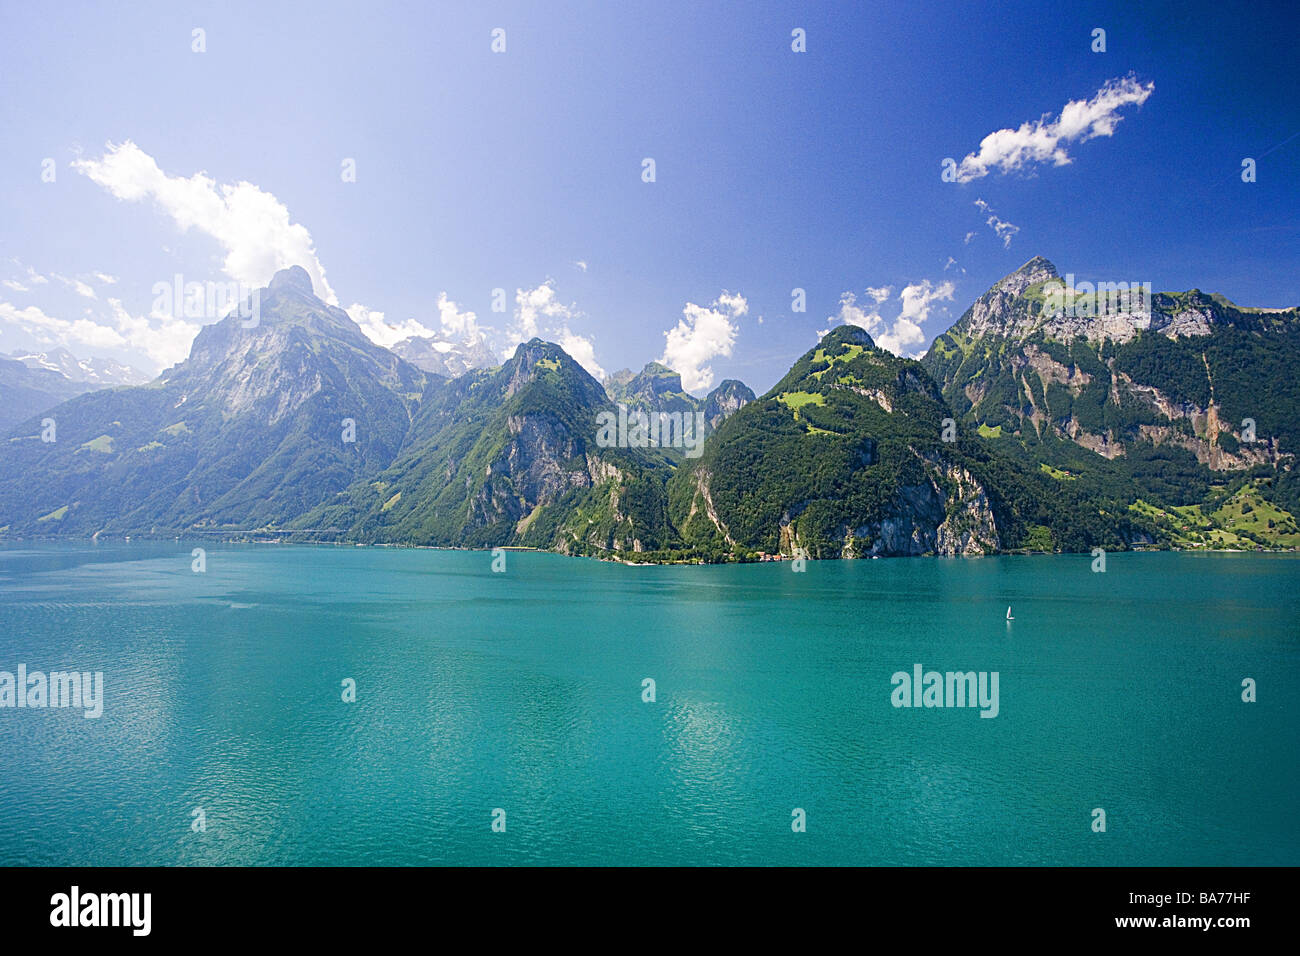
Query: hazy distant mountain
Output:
(725,400)
(34,382)
(448,359)
(657,388)
(93,371)
(26,392)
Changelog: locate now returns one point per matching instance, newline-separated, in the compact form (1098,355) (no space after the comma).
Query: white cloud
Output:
(904,331)
(15,285)
(105,278)
(700,335)
(165,339)
(581,264)
(460,326)
(534,305)
(162,339)
(967,240)
(454,326)
(733,303)
(540,313)
(386,333)
(1044,140)
(252,225)
(1003,229)
(55,331)
(919,297)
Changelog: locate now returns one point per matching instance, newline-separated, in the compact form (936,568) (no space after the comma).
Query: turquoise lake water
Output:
(523,691)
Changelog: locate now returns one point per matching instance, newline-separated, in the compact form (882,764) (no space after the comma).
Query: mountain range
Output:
(34,382)
(1025,427)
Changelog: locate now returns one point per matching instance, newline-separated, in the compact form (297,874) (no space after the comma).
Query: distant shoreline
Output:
(198,537)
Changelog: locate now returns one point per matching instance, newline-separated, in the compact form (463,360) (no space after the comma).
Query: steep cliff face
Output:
(946,514)
(1120,374)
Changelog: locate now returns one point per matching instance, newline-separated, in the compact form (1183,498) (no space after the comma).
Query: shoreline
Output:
(625,561)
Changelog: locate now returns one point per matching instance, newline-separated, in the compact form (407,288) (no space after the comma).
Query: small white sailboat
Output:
(1009,617)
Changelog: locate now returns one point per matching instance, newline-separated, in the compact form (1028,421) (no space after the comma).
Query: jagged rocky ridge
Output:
(1125,382)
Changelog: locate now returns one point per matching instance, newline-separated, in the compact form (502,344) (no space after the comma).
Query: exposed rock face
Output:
(948,515)
(725,400)
(1020,305)
(1001,310)
(299,348)
(257,425)
(1028,362)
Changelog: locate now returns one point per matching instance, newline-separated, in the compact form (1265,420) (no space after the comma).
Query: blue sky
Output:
(522,170)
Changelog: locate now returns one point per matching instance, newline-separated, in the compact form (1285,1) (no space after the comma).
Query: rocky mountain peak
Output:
(1033,272)
(724,401)
(295,278)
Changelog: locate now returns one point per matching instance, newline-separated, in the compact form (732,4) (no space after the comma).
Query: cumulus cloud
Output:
(454,326)
(163,339)
(1044,140)
(533,306)
(52,330)
(457,325)
(702,334)
(252,225)
(382,332)
(904,331)
(1003,229)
